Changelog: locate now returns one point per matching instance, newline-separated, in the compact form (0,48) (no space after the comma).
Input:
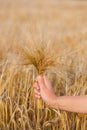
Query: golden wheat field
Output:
(41,37)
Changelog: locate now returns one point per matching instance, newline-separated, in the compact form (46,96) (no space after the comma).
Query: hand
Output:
(43,89)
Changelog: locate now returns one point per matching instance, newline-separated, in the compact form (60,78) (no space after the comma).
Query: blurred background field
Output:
(33,33)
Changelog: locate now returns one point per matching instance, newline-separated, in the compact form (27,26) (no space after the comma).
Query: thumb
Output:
(47,82)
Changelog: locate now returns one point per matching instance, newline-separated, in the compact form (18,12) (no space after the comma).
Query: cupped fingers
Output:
(37,95)
(36,86)
(36,91)
(40,82)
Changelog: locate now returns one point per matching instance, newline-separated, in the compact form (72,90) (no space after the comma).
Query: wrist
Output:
(55,103)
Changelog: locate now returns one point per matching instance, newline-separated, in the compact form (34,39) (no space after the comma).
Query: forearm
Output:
(72,103)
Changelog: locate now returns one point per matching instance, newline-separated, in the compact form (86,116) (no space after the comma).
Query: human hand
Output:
(43,89)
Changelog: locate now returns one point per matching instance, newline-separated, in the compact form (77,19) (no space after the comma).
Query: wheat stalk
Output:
(41,60)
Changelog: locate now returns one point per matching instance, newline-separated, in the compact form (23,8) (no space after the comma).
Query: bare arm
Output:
(43,89)
(72,103)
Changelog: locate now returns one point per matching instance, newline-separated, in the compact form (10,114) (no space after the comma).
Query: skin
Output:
(43,89)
